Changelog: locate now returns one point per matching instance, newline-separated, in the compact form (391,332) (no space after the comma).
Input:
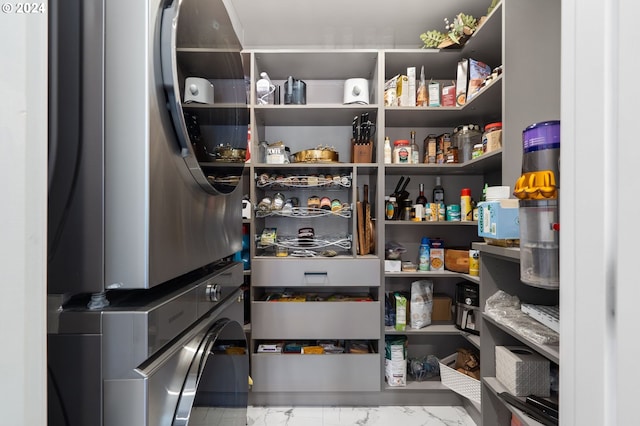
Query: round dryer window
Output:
(204,80)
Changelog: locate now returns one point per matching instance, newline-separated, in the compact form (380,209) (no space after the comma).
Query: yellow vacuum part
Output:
(539,185)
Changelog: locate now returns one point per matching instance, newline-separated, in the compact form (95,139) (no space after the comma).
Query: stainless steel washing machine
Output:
(173,355)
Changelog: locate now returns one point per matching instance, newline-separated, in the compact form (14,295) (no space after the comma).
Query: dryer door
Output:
(204,80)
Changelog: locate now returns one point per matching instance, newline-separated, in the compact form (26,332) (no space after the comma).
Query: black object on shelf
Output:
(543,404)
(530,410)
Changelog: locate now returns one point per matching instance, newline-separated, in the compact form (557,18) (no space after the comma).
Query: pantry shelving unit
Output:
(325,121)
(500,270)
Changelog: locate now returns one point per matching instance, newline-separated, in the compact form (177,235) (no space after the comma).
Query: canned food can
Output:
(453,212)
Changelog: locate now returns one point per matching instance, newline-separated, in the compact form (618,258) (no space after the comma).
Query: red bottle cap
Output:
(465,191)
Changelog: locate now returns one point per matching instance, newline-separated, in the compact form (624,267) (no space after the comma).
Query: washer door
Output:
(217,384)
(202,374)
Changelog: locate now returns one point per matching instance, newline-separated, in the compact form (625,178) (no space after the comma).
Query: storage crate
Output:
(458,382)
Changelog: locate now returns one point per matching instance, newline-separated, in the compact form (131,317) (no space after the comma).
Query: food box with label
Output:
(498,219)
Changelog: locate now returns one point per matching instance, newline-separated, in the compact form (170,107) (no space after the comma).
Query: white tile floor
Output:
(358,416)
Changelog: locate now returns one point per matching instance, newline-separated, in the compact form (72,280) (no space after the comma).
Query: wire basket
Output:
(459,383)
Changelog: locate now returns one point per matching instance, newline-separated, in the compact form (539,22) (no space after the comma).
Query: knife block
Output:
(361,152)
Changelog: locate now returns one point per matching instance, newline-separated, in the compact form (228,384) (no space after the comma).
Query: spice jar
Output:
(477,150)
(313,202)
(401,152)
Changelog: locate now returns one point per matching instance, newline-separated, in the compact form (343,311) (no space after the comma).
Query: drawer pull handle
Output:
(316,277)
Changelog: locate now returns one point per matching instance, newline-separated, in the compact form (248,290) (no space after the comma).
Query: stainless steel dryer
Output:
(144,211)
(138,193)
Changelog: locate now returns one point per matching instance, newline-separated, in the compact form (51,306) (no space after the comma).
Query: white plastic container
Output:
(497,193)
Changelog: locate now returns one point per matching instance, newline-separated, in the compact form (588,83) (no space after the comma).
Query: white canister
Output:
(198,90)
(418,212)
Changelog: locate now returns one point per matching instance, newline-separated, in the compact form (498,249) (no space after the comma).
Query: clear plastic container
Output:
(539,243)
(465,137)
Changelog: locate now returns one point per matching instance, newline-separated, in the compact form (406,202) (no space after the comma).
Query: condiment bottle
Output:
(391,208)
(387,150)
(465,205)
(423,255)
(438,191)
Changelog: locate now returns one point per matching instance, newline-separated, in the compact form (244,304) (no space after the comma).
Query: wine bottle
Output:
(421,199)
(438,191)
(415,151)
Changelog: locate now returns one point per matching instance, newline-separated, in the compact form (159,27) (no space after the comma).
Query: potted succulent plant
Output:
(457,32)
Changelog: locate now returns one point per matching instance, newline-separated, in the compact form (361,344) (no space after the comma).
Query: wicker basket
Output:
(458,382)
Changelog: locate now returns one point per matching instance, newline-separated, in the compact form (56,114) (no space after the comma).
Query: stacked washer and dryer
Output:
(145,302)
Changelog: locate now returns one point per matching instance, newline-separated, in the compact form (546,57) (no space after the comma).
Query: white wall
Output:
(599,217)
(23,191)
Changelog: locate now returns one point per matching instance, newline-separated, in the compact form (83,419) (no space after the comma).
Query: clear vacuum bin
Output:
(539,243)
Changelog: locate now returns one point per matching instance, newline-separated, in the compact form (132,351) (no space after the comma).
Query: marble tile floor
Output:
(359,416)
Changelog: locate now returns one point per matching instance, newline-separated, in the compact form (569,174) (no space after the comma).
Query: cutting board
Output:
(366,207)
(361,227)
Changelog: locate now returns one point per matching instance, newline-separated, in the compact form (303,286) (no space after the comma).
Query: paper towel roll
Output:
(522,371)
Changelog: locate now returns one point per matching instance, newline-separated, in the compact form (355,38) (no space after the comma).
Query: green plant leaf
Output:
(432,38)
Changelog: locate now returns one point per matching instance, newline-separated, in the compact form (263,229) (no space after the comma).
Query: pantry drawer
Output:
(292,272)
(315,320)
(315,373)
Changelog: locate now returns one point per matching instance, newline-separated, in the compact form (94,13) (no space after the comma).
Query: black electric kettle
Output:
(295,92)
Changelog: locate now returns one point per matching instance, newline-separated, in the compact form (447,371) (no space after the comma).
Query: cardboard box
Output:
(449,95)
(402,91)
(498,219)
(392,266)
(461,82)
(391,91)
(478,71)
(411,77)
(434,94)
(522,371)
(441,308)
(436,255)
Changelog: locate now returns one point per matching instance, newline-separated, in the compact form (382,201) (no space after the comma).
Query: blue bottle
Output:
(423,255)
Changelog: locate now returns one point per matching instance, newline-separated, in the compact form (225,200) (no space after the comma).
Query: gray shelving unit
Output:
(528,97)
(500,270)
(324,120)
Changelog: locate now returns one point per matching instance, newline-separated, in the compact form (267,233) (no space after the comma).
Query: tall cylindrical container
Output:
(423,255)
(466,212)
(539,243)
(541,148)
(538,191)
